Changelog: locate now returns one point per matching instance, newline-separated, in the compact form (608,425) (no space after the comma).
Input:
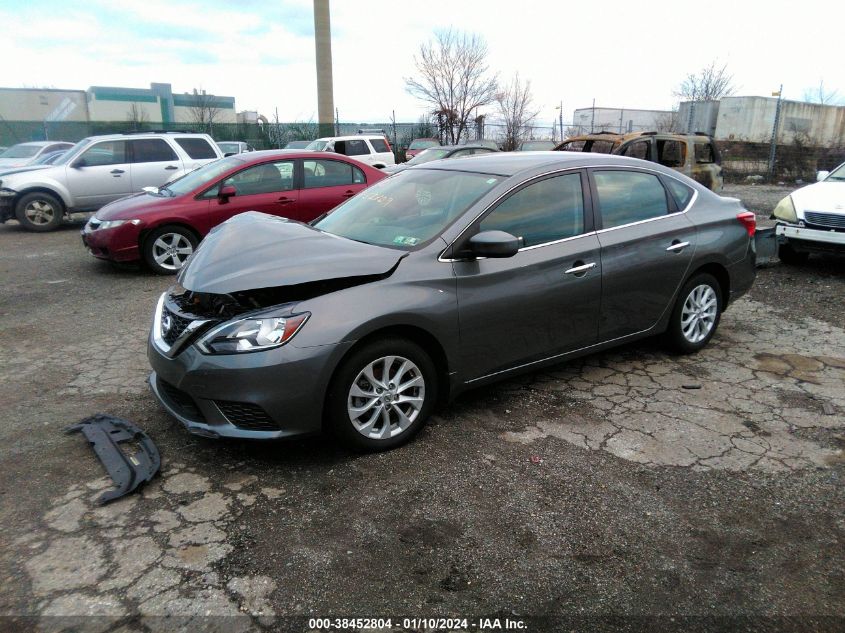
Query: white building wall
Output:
(752,119)
(618,119)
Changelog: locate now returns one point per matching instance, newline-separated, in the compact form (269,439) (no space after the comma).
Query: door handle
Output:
(171,167)
(348,194)
(285,200)
(580,268)
(677,246)
(116,172)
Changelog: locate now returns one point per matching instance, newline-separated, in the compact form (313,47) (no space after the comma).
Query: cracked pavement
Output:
(629,482)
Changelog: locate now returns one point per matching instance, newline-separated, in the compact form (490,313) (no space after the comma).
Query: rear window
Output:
(601,147)
(638,149)
(196,147)
(151,150)
(573,146)
(379,145)
(355,148)
(629,196)
(671,153)
(680,192)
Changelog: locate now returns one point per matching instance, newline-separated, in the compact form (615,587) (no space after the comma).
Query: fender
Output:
(34,180)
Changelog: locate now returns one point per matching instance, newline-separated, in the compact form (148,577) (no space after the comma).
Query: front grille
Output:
(172,325)
(181,401)
(829,220)
(246,415)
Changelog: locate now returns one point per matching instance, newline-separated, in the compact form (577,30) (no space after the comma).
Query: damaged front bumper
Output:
(263,395)
(7,204)
(811,239)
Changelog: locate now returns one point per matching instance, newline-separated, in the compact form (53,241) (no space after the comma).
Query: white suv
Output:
(98,170)
(371,149)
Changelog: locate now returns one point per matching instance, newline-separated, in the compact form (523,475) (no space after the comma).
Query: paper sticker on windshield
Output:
(424,197)
(490,181)
(401,240)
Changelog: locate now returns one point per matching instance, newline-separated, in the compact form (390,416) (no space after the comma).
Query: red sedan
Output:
(163,227)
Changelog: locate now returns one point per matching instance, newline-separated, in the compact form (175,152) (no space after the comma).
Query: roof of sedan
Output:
(510,163)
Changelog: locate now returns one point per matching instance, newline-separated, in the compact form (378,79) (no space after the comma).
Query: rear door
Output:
(647,245)
(99,175)
(543,301)
(266,187)
(153,162)
(325,184)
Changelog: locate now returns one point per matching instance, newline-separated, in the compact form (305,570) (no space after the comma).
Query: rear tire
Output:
(790,256)
(696,314)
(166,249)
(382,395)
(40,211)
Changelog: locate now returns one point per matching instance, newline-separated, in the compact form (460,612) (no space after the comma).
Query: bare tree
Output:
(710,83)
(822,95)
(516,108)
(137,116)
(667,122)
(454,78)
(203,110)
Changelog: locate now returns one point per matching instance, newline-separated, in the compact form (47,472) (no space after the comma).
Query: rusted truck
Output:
(694,155)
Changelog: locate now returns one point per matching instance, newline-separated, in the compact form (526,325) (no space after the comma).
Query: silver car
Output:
(438,279)
(98,170)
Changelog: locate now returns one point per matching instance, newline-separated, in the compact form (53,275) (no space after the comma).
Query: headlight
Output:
(786,210)
(110,224)
(251,335)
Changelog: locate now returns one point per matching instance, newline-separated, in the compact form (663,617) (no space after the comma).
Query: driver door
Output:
(546,299)
(100,175)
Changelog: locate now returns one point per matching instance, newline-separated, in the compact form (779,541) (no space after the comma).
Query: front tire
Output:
(166,249)
(790,256)
(382,395)
(40,211)
(696,314)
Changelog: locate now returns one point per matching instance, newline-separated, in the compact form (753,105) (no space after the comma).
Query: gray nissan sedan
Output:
(436,280)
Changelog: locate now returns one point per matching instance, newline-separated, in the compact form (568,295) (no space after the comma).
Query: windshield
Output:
(49,158)
(202,176)
(428,155)
(318,145)
(838,173)
(73,151)
(409,208)
(228,147)
(422,144)
(21,151)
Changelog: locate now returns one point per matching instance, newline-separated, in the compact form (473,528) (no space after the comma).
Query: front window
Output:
(102,154)
(200,177)
(73,151)
(21,151)
(409,208)
(263,178)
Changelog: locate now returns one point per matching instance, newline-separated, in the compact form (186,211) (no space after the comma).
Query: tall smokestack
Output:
(325,90)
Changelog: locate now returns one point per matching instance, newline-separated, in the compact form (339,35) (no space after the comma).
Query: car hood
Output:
(254,250)
(7,170)
(828,196)
(131,207)
(14,162)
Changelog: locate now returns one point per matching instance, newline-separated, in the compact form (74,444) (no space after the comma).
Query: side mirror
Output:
(493,244)
(78,163)
(822,175)
(227,154)
(225,193)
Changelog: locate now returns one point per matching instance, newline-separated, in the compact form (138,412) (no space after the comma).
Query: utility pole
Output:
(561,121)
(593,120)
(773,148)
(325,86)
(336,123)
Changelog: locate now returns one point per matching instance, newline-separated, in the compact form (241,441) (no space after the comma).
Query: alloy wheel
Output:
(40,212)
(386,397)
(699,313)
(170,250)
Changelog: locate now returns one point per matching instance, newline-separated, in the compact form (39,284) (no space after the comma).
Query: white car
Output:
(98,170)
(812,219)
(24,154)
(371,149)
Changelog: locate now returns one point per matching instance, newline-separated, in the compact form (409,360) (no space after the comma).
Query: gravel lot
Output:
(630,483)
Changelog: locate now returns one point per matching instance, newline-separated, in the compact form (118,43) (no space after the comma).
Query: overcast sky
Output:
(623,54)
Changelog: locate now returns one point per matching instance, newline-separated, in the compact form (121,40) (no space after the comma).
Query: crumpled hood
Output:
(821,196)
(255,250)
(6,170)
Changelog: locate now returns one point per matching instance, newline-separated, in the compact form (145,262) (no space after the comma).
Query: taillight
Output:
(749,221)
(389,149)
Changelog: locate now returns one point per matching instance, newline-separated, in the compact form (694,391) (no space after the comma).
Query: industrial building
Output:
(619,120)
